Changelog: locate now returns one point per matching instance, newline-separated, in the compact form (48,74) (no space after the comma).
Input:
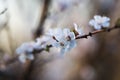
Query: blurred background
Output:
(95,58)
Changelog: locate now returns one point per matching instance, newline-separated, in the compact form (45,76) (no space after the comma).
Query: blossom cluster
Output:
(64,39)
(25,51)
(99,22)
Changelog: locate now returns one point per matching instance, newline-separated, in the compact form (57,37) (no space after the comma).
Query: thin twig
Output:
(96,32)
(3,11)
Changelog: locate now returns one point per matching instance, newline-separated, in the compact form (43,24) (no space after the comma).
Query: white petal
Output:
(107,24)
(66,31)
(27,47)
(58,30)
(44,38)
(98,27)
(62,51)
(22,58)
(72,35)
(78,29)
(58,34)
(72,44)
(20,50)
(106,19)
(75,26)
(97,18)
(65,48)
(38,40)
(30,56)
(30,48)
(55,44)
(37,45)
(92,22)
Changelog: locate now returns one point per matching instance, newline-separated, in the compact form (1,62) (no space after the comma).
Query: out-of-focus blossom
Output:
(99,22)
(25,52)
(41,42)
(24,56)
(25,47)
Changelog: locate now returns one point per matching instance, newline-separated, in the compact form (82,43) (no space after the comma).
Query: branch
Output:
(96,32)
(78,37)
(3,11)
(43,17)
(117,26)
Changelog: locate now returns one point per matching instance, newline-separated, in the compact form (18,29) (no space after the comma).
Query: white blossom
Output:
(24,56)
(70,36)
(62,38)
(41,42)
(99,22)
(25,51)
(25,47)
(56,36)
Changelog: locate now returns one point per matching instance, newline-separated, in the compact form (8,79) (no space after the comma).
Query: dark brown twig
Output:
(3,11)
(96,32)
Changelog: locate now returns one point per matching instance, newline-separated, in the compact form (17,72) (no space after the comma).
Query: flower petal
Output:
(106,24)
(30,56)
(22,58)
